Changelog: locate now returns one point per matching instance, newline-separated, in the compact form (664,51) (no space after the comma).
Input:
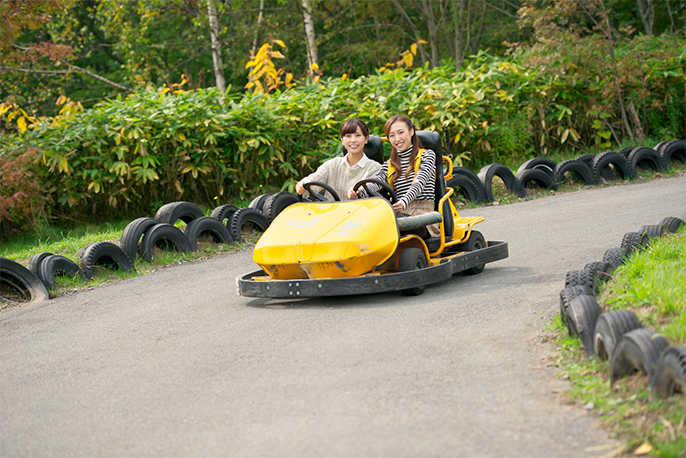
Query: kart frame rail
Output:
(247,286)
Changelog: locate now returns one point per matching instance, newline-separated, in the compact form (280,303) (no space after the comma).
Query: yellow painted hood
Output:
(328,239)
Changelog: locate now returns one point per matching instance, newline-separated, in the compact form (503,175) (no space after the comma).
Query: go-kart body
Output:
(360,247)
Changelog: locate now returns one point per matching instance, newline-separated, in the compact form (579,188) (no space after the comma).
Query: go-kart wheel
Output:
(412,259)
(475,242)
(386,191)
(316,197)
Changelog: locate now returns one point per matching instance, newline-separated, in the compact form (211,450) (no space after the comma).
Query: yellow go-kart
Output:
(360,247)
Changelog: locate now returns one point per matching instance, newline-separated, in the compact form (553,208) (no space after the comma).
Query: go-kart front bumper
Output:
(254,284)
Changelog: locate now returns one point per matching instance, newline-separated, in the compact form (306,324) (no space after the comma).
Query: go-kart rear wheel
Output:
(412,259)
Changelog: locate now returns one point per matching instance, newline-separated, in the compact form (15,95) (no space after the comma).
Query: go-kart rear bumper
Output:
(248,287)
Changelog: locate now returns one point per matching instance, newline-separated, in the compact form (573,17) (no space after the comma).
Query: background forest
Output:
(110,108)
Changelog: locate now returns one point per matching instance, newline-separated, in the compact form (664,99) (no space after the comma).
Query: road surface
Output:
(175,364)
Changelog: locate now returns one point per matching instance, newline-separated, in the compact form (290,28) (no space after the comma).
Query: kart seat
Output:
(432,140)
(373,149)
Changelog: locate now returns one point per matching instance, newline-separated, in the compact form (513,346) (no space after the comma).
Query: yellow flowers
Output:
(264,77)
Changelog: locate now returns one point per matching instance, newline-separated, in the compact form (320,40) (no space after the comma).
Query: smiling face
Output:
(354,142)
(400,135)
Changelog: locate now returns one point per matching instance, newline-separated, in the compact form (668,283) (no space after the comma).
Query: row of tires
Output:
(618,336)
(139,240)
(591,169)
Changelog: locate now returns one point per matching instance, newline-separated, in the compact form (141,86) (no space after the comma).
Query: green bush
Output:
(126,157)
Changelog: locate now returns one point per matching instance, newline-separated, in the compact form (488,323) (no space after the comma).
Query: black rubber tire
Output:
(635,241)
(527,176)
(224,213)
(35,261)
(487,173)
(276,203)
(476,241)
(412,259)
(581,315)
(600,269)
(258,202)
(637,350)
(603,172)
(652,231)
(566,295)
(174,211)
(659,146)
(626,150)
(609,328)
(459,170)
(583,278)
(466,186)
(672,224)
(206,226)
(164,236)
(670,376)
(55,265)
(247,216)
(616,257)
(132,235)
(23,281)
(676,149)
(578,168)
(643,158)
(585,158)
(540,163)
(104,254)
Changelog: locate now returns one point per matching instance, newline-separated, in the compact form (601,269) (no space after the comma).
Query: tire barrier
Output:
(105,254)
(637,350)
(670,376)
(528,176)
(20,280)
(163,236)
(56,265)
(258,202)
(572,167)
(246,218)
(224,213)
(618,336)
(609,328)
(581,316)
(276,203)
(487,173)
(206,227)
(540,163)
(467,184)
(172,212)
(132,235)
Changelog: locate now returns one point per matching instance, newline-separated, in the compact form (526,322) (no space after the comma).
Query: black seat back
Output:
(373,149)
(432,140)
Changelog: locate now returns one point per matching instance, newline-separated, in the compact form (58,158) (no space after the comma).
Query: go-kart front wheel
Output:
(412,259)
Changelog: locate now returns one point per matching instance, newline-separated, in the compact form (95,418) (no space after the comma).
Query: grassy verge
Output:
(653,285)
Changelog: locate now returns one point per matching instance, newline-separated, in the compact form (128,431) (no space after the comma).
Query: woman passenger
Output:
(410,171)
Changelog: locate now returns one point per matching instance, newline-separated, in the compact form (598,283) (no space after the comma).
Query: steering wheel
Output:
(386,191)
(316,197)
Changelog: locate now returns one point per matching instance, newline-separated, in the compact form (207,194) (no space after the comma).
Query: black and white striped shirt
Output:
(408,189)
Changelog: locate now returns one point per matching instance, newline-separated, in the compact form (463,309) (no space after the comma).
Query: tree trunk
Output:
(428,13)
(216,46)
(309,32)
(257,28)
(647,15)
(415,30)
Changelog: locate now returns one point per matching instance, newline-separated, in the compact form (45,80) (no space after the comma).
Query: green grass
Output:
(653,285)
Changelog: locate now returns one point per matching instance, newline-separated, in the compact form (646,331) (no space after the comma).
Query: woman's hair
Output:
(350,127)
(416,144)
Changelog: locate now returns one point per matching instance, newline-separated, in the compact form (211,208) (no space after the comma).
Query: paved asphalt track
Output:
(175,364)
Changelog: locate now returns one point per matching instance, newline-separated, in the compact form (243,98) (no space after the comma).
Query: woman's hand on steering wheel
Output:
(385,192)
(316,197)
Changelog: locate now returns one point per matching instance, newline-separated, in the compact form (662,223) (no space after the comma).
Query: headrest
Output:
(431,140)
